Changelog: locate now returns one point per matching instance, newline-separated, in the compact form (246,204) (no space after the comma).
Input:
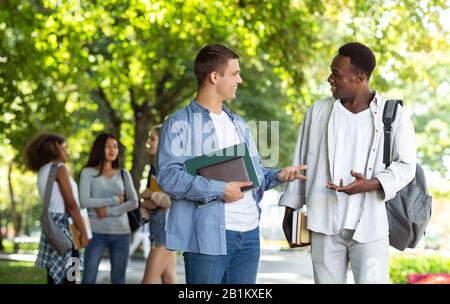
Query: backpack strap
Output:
(49,187)
(389,112)
(122,175)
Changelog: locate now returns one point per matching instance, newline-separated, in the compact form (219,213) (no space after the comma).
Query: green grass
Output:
(14,272)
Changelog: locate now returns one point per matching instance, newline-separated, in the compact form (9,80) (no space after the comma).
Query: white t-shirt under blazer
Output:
(353,137)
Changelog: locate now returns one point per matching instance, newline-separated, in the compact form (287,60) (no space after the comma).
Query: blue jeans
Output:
(119,247)
(238,266)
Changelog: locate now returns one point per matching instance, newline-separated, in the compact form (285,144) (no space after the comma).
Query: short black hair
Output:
(212,57)
(360,56)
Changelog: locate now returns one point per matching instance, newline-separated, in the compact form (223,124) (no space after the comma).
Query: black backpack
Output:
(410,210)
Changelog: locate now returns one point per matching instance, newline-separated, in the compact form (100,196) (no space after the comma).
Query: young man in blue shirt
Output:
(220,240)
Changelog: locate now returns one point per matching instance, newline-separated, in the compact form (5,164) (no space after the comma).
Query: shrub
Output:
(400,267)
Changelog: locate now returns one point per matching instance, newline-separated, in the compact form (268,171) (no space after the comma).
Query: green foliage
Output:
(427,100)
(29,205)
(79,67)
(400,267)
(30,98)
(26,248)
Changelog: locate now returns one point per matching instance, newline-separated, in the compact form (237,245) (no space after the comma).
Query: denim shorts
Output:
(157,228)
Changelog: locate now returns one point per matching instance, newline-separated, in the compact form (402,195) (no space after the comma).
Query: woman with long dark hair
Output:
(43,151)
(107,191)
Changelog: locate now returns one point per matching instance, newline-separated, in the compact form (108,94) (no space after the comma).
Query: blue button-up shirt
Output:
(186,134)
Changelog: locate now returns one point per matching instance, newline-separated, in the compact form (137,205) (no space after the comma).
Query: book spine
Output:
(252,164)
(294,227)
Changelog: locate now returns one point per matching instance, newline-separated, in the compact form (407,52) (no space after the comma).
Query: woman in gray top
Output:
(108,192)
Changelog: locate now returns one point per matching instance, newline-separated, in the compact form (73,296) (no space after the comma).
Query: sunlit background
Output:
(81,67)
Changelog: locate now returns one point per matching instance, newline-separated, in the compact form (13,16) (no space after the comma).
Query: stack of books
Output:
(300,232)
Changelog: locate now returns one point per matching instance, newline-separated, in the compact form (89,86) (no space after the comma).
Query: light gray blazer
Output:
(315,148)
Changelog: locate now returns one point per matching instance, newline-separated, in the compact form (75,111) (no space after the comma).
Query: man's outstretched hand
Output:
(359,185)
(289,174)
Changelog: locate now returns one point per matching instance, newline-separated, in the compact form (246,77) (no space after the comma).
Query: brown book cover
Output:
(233,170)
(153,185)
(76,235)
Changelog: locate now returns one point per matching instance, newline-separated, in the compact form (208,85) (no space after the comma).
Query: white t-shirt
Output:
(353,137)
(241,215)
(56,199)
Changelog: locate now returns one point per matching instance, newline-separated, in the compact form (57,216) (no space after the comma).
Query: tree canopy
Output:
(79,67)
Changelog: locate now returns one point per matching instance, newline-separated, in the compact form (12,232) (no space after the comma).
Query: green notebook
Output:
(230,164)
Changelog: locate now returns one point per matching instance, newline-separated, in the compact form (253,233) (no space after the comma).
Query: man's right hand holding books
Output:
(233,191)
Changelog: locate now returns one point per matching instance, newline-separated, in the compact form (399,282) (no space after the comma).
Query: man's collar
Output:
(196,107)
(376,99)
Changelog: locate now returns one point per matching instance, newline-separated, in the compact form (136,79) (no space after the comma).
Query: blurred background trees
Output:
(80,67)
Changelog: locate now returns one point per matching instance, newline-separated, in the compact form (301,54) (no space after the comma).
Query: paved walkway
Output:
(292,266)
(276,266)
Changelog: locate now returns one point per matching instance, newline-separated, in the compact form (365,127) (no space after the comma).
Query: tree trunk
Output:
(141,157)
(15,217)
(143,121)
(1,232)
(27,222)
